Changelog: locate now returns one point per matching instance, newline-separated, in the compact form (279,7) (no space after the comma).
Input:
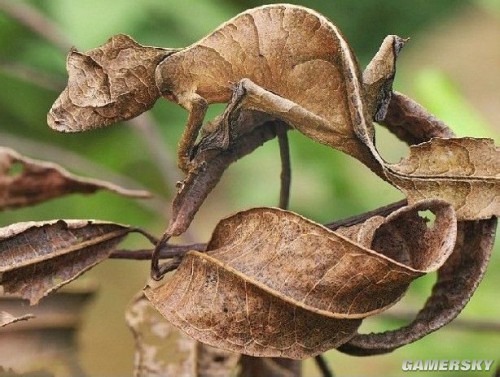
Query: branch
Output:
(170,251)
(323,366)
(382,211)
(286,171)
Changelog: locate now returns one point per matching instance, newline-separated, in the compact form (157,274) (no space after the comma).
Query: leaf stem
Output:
(170,251)
(286,171)
(382,211)
(323,366)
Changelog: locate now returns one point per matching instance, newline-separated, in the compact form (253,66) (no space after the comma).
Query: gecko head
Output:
(108,84)
(169,75)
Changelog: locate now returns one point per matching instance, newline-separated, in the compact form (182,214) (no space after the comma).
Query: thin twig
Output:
(286,171)
(323,366)
(382,211)
(157,270)
(169,252)
(142,254)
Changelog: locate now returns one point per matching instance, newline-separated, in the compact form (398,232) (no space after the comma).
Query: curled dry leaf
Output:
(7,318)
(362,233)
(24,181)
(244,295)
(216,306)
(327,260)
(411,122)
(36,258)
(463,171)
(108,84)
(457,280)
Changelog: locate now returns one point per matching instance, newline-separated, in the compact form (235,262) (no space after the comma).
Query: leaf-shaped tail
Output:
(463,171)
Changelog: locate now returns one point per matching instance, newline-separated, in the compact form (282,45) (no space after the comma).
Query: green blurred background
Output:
(451,65)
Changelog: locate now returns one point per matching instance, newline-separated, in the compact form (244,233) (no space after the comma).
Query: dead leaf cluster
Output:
(270,283)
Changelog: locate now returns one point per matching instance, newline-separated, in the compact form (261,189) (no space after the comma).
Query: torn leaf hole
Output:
(429,217)
(15,170)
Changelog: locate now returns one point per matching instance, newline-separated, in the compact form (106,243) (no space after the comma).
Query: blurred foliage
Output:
(442,97)
(326,185)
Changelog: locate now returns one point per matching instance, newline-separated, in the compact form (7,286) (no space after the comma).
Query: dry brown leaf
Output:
(463,171)
(411,122)
(457,280)
(364,232)
(7,318)
(37,258)
(24,181)
(244,295)
(327,260)
(218,307)
(108,84)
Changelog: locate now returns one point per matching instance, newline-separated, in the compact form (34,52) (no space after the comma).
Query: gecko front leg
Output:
(197,107)
(222,130)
